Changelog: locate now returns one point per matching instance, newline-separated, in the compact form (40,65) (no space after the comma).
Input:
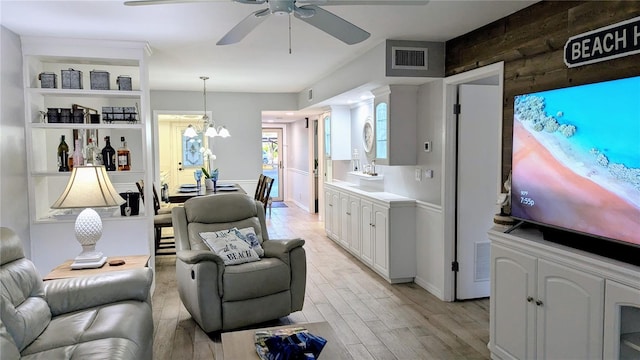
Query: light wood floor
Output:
(374,319)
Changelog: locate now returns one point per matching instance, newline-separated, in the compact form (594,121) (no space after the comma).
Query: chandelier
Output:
(208,126)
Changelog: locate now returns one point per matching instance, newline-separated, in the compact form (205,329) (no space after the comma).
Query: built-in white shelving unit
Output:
(52,233)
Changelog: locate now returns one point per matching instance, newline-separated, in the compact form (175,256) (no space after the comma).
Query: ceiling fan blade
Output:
(334,25)
(244,27)
(362,2)
(160,2)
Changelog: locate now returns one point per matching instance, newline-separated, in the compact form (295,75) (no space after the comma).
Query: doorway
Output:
(178,156)
(272,160)
(468,214)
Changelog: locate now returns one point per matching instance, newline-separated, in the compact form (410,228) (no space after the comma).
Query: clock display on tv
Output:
(576,159)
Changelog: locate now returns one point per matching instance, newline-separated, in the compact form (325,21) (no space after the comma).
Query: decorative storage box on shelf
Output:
(48,80)
(119,113)
(124,83)
(99,80)
(71,79)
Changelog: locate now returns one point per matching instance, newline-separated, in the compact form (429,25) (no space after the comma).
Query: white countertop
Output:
(377,195)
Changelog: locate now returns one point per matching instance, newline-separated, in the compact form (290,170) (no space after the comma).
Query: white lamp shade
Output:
(224,132)
(190,132)
(211,131)
(88,186)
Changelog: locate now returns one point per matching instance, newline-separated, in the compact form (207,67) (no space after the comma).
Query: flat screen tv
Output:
(576,166)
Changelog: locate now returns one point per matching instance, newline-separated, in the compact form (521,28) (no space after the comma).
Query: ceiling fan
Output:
(309,12)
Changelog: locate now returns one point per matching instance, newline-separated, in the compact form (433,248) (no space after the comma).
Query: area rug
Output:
(278,204)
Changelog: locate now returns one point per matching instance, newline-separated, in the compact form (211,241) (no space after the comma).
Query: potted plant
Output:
(210,177)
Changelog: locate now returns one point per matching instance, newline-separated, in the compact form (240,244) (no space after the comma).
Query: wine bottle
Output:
(78,159)
(63,155)
(90,153)
(124,156)
(109,155)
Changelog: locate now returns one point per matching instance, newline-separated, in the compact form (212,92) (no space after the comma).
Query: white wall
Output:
(14,212)
(297,170)
(239,157)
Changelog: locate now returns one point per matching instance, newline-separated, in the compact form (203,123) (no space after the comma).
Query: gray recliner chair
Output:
(223,297)
(106,316)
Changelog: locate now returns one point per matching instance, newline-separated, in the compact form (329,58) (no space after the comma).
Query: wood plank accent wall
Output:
(531,44)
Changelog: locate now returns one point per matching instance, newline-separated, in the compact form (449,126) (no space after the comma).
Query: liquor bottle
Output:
(90,153)
(78,159)
(124,156)
(109,155)
(63,155)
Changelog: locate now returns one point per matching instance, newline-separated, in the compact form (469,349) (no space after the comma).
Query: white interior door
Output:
(173,168)
(186,155)
(478,183)
(272,157)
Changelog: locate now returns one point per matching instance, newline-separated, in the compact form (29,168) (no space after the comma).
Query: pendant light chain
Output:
(208,126)
(204,82)
(289,33)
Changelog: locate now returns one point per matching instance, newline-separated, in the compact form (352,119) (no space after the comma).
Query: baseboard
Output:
(433,290)
(300,205)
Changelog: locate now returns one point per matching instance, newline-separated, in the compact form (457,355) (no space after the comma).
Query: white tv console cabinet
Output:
(550,301)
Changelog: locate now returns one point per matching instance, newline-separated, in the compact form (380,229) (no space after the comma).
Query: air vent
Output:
(482,261)
(409,58)
(406,58)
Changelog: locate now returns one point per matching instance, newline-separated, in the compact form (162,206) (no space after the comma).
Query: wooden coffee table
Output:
(64,270)
(239,345)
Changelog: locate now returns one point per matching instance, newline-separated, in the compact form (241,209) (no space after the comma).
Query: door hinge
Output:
(455,266)
(456,109)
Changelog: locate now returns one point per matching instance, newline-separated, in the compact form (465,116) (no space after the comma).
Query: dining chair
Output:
(161,219)
(259,187)
(265,192)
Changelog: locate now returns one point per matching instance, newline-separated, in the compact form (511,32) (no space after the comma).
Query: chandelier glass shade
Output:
(208,126)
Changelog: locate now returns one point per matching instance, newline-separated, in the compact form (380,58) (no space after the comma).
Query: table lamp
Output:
(88,187)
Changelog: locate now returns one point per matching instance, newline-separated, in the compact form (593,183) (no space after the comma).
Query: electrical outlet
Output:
(418,174)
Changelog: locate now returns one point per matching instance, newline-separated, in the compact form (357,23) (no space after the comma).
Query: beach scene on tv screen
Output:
(576,158)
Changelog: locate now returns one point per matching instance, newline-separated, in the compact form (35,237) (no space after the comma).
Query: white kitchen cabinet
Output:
(337,132)
(331,213)
(52,232)
(349,223)
(354,224)
(395,125)
(345,220)
(549,301)
(622,321)
(379,232)
(366,235)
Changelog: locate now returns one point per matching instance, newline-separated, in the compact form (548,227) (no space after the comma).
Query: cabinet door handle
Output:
(374,225)
(539,302)
(529,298)
(348,213)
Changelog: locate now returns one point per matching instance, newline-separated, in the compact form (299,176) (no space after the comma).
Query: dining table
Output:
(185,192)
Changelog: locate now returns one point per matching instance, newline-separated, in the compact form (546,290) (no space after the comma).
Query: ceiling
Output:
(183,36)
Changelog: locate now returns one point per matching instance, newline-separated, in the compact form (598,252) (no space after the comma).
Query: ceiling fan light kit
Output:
(310,12)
